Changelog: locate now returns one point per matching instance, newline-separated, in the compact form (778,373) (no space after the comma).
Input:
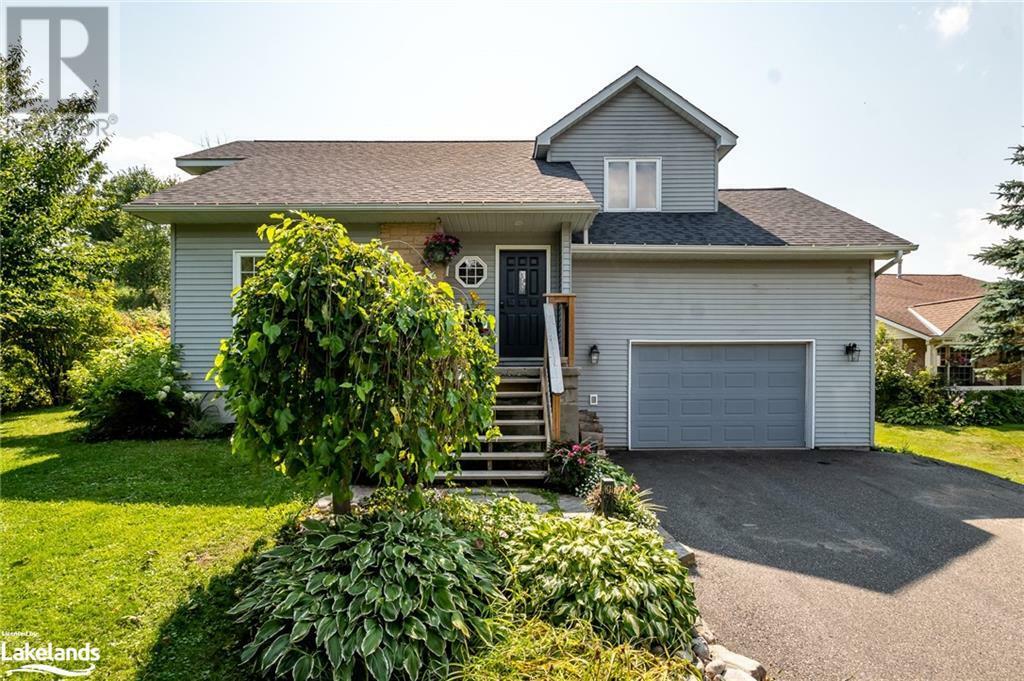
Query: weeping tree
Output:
(343,360)
(1001,321)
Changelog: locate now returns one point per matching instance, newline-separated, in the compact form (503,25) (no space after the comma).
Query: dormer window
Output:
(632,184)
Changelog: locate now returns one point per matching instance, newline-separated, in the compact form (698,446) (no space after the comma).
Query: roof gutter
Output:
(876,251)
(142,209)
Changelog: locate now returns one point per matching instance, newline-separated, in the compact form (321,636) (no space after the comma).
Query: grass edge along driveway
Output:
(129,545)
(997,450)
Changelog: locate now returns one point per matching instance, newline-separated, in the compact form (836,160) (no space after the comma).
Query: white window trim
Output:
(632,161)
(236,264)
(465,258)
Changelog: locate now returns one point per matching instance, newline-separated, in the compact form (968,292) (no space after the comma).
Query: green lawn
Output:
(135,547)
(998,450)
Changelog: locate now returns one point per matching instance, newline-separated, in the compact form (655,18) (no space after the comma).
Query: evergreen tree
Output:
(1001,320)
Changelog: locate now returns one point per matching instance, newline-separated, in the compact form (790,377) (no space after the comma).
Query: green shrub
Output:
(627,502)
(994,407)
(58,328)
(602,467)
(918,415)
(131,390)
(343,360)
(615,575)
(533,650)
(20,385)
(395,596)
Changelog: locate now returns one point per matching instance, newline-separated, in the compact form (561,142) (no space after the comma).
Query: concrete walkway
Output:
(850,565)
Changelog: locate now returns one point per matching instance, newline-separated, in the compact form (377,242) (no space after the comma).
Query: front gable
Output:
(637,117)
(633,124)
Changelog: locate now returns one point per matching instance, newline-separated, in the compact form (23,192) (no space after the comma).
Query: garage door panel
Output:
(740,379)
(695,407)
(696,380)
(725,395)
(740,353)
(653,380)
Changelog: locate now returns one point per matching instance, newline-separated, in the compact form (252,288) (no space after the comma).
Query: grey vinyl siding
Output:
(482,244)
(202,266)
(828,302)
(635,124)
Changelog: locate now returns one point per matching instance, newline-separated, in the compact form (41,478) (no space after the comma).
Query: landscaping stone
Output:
(700,648)
(732,674)
(700,628)
(714,669)
(733,660)
(686,555)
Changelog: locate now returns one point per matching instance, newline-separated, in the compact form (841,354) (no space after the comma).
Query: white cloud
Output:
(156,152)
(951,20)
(970,233)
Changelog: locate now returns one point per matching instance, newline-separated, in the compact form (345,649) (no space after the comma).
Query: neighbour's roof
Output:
(745,217)
(930,304)
(347,173)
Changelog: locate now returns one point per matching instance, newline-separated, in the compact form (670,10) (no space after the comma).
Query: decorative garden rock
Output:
(700,648)
(733,660)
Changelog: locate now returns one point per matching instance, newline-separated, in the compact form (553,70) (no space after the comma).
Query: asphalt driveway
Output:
(850,565)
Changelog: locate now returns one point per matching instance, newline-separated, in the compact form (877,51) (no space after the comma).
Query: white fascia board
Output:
(725,138)
(904,329)
(924,320)
(781,252)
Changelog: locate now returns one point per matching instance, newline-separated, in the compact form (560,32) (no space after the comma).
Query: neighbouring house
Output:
(930,314)
(686,315)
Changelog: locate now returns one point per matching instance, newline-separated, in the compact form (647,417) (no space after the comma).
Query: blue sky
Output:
(901,114)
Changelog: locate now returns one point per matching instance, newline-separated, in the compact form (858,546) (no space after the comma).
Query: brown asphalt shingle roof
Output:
(274,173)
(942,299)
(269,173)
(745,217)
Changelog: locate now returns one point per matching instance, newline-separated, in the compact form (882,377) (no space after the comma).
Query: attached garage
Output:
(720,395)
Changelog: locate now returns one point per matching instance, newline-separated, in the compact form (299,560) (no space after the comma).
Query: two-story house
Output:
(689,315)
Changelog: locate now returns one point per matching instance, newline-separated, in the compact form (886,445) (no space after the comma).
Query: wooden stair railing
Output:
(553,383)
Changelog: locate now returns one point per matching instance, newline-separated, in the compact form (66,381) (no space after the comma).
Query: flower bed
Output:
(395,593)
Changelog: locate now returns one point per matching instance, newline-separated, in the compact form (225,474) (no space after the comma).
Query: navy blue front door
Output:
(521,288)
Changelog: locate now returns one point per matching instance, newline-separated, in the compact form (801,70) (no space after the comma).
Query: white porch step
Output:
(519,379)
(496,475)
(503,456)
(519,422)
(518,393)
(516,438)
(518,407)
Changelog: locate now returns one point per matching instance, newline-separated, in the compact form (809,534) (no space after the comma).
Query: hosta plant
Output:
(393,596)
(617,576)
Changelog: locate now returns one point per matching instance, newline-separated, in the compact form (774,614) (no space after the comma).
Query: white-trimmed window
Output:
(471,271)
(632,184)
(244,266)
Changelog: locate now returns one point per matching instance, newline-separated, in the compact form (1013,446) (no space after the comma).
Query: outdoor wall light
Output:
(595,354)
(852,352)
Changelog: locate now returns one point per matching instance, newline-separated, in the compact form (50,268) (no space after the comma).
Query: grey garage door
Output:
(726,395)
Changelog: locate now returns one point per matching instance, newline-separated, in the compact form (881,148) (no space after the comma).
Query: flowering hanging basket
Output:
(441,248)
